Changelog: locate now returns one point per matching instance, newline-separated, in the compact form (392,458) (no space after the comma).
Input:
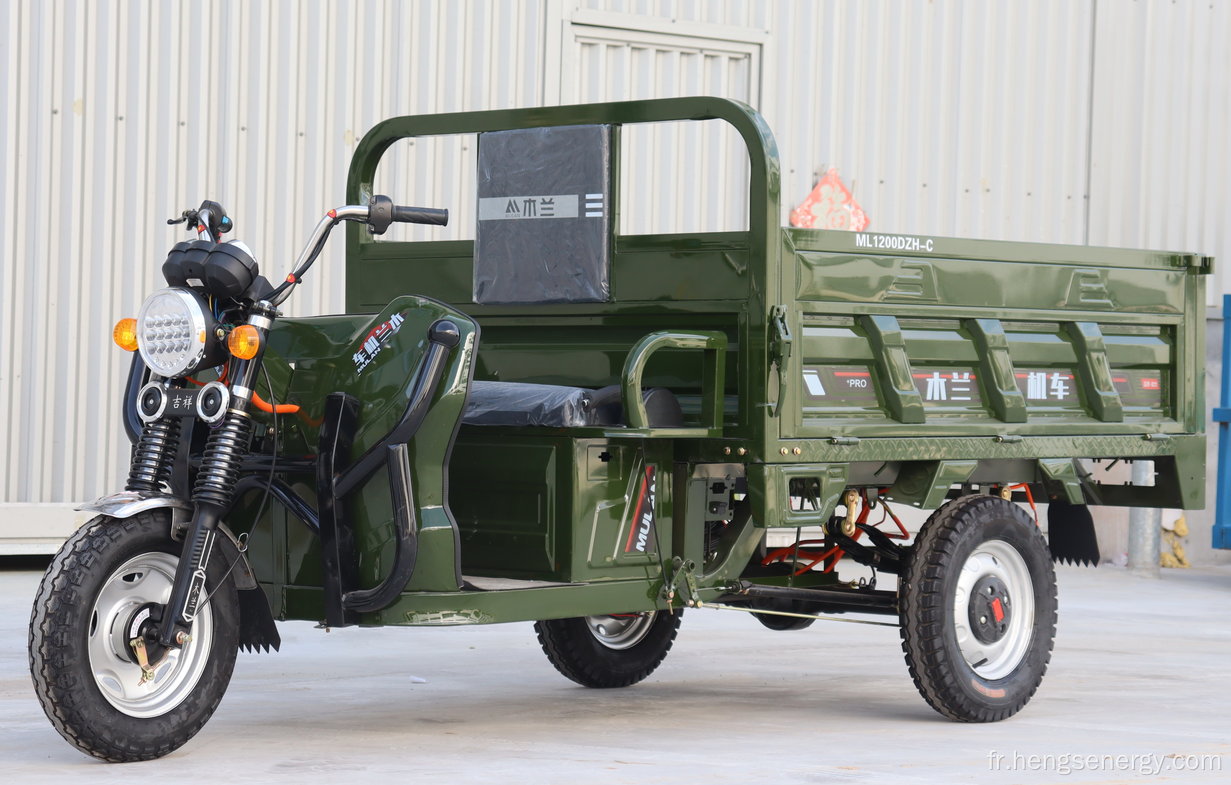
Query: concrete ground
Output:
(1141,668)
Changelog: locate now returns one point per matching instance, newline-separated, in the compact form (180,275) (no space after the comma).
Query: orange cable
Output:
(282,408)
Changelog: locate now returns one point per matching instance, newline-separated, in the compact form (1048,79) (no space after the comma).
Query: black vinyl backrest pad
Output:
(544,216)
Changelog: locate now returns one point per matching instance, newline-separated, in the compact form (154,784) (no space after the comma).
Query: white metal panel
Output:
(118,114)
(947,118)
(745,15)
(1162,121)
(674,177)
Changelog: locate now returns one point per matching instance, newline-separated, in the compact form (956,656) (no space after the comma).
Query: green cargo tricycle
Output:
(593,431)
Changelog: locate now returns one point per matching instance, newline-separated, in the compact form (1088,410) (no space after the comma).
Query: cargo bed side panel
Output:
(916,337)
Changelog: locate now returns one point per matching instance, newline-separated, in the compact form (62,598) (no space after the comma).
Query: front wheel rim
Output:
(622,631)
(995,563)
(143,579)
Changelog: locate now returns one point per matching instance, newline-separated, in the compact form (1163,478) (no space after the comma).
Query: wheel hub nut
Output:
(990,607)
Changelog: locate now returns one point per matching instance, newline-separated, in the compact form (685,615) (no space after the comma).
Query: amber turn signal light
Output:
(244,342)
(125,334)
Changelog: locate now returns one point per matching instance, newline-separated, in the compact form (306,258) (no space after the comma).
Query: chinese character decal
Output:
(936,387)
(1048,387)
(948,387)
(378,339)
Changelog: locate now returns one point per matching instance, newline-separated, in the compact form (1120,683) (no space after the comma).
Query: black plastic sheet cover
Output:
(544,228)
(510,403)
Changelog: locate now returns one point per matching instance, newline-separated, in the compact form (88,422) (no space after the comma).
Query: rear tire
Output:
(978,609)
(609,651)
(87,685)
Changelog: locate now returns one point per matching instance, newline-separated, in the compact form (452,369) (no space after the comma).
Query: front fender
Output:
(257,630)
(126,504)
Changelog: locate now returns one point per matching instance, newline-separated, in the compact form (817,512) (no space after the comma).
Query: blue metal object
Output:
(1222,416)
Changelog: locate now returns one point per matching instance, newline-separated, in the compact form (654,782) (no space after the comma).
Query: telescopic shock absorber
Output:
(154,455)
(220,465)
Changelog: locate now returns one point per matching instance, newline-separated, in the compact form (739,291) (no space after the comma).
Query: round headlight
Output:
(173,332)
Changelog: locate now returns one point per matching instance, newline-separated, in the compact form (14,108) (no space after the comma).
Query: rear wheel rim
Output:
(621,632)
(999,560)
(143,579)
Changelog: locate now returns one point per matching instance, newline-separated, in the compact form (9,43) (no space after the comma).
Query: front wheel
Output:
(106,587)
(978,609)
(609,651)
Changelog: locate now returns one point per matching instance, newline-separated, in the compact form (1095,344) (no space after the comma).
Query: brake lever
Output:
(190,217)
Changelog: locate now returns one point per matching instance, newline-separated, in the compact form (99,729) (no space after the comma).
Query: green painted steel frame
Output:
(773,449)
(714,344)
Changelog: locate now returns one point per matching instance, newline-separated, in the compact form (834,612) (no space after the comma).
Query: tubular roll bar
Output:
(713,377)
(335,479)
(763,185)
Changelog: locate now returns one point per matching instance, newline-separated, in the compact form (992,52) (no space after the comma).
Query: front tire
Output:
(86,682)
(978,609)
(609,651)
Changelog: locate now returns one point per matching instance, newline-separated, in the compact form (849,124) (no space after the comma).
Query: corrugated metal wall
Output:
(960,119)
(969,118)
(119,115)
(1161,149)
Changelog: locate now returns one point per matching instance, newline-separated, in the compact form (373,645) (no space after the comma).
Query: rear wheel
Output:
(106,587)
(978,609)
(609,651)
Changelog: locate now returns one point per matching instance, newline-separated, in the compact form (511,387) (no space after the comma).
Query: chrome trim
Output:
(263,322)
(240,392)
(350,212)
(161,409)
(199,326)
(222,408)
(126,504)
(203,232)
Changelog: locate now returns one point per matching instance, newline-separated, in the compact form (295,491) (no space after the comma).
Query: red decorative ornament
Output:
(830,206)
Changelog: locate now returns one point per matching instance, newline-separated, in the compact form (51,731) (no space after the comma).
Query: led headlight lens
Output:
(172,332)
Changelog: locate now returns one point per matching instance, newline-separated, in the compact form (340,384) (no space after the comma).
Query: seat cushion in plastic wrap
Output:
(511,403)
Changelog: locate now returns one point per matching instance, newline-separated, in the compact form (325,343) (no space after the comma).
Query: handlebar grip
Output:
(420,215)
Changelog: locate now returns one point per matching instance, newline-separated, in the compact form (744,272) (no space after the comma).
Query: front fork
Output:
(214,488)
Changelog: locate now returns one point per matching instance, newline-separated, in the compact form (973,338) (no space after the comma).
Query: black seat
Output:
(555,406)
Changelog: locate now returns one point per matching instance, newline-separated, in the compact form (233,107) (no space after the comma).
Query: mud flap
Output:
(257,631)
(1070,533)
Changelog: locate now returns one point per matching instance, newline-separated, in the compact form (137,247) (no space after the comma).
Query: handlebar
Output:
(378,214)
(382,212)
(420,215)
